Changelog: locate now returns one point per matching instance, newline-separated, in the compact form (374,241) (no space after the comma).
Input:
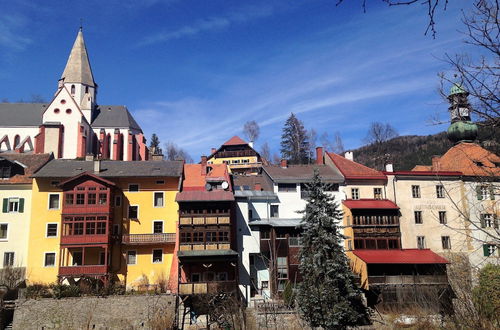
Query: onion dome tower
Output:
(462,129)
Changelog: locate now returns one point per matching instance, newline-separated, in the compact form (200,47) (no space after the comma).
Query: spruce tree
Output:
(294,141)
(154,144)
(327,297)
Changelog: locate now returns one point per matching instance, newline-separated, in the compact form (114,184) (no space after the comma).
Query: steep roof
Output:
(469,158)
(234,141)
(193,185)
(354,171)
(357,204)
(405,256)
(301,173)
(66,168)
(30,162)
(250,181)
(21,114)
(116,116)
(77,68)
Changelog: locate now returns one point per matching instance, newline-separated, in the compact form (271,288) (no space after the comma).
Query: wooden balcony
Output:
(207,246)
(407,279)
(207,219)
(207,287)
(86,270)
(144,239)
(235,153)
(84,239)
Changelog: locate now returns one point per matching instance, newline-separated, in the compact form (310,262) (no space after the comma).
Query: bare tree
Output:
(336,145)
(265,152)
(479,75)
(174,152)
(37,98)
(379,132)
(312,136)
(251,130)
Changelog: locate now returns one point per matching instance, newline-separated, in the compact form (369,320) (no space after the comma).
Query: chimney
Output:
(319,156)
(212,151)
(257,187)
(203,165)
(435,163)
(283,163)
(250,144)
(97,166)
(349,155)
(157,157)
(389,167)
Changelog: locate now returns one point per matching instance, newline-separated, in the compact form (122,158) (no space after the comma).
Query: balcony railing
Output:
(408,279)
(207,287)
(375,220)
(83,270)
(85,239)
(205,220)
(203,246)
(238,153)
(138,239)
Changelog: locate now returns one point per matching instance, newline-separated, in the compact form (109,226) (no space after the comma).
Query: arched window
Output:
(17,140)
(86,89)
(72,89)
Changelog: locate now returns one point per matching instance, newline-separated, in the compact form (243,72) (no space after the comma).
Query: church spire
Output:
(77,68)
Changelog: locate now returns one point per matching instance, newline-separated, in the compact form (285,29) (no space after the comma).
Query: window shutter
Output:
(478,192)
(5,206)
(483,223)
(486,250)
(21,205)
(495,221)
(492,192)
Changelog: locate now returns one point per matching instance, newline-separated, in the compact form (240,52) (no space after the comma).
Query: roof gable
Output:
(115,116)
(89,175)
(353,170)
(77,68)
(234,141)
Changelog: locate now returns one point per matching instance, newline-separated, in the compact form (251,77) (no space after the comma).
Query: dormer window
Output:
(5,172)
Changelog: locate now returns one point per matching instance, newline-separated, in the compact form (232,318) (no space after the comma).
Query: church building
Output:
(73,124)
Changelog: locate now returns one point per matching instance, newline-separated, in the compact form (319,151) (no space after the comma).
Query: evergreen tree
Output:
(154,145)
(327,296)
(294,141)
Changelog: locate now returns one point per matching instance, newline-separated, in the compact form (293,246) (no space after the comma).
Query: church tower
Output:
(462,129)
(78,79)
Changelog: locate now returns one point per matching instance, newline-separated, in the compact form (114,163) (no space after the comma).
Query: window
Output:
(91,198)
(489,249)
(160,182)
(131,257)
(186,238)
(264,284)
(421,242)
(198,237)
(294,240)
(53,201)
(237,161)
(483,192)
(418,217)
(445,242)
(13,205)
(211,236)
(8,259)
(80,199)
(157,256)
(377,193)
(157,227)
(50,259)
(275,211)
(51,230)
(221,276)
(265,234)
(133,212)
(3,231)
(5,172)
(103,199)
(415,191)
(487,220)
(158,199)
(223,236)
(355,193)
(69,199)
(282,268)
(195,277)
(118,200)
(442,217)
(287,187)
(439,191)
(133,187)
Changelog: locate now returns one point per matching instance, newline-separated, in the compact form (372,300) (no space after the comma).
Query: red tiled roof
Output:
(194,179)
(352,170)
(33,163)
(405,256)
(190,196)
(370,204)
(424,173)
(234,141)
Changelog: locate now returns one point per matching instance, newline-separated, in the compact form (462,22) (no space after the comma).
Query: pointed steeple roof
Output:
(77,68)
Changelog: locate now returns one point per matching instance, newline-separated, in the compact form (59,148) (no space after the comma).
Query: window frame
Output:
(13,258)
(355,195)
(135,257)
(277,206)
(443,220)
(415,191)
(440,193)
(128,212)
(47,229)
(375,194)
(6,232)
(162,199)
(153,256)
(288,189)
(45,259)
(13,201)
(134,184)
(162,226)
(447,240)
(58,201)
(421,239)
(420,218)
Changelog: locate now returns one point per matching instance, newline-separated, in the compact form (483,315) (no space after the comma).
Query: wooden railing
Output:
(83,270)
(203,246)
(238,153)
(205,220)
(207,287)
(85,239)
(149,238)
(408,279)
(375,220)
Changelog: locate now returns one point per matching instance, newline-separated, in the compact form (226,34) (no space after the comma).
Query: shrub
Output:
(486,295)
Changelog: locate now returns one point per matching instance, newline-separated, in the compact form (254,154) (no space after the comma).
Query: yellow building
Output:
(117,221)
(239,155)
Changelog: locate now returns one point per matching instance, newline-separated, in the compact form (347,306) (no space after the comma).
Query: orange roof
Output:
(234,141)
(352,170)
(355,204)
(405,256)
(194,180)
(469,158)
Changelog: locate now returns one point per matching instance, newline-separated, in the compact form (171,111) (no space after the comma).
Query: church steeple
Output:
(462,129)
(77,77)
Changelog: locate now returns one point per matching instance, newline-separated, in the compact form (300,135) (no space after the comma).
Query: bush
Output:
(63,291)
(486,296)
(38,291)
(289,295)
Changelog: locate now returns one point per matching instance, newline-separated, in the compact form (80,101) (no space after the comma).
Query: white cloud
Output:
(10,36)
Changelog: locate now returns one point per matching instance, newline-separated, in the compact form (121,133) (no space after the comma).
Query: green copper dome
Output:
(462,131)
(456,89)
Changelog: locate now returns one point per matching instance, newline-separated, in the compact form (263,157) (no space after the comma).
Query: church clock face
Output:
(464,112)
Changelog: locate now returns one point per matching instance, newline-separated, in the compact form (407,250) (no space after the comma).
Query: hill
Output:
(407,151)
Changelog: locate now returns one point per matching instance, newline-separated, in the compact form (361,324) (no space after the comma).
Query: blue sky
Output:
(195,71)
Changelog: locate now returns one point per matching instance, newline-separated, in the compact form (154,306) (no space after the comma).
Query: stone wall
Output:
(112,312)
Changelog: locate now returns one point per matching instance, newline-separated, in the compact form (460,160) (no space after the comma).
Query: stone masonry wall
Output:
(112,312)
